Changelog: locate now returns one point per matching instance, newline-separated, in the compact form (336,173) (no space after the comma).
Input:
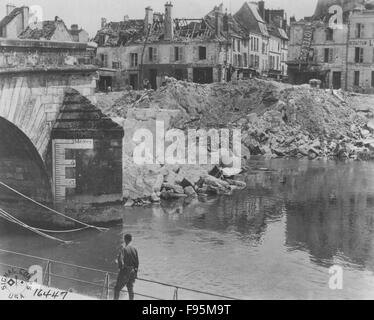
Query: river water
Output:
(275,240)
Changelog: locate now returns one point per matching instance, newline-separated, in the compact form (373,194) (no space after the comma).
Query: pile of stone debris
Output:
(277,120)
(183,182)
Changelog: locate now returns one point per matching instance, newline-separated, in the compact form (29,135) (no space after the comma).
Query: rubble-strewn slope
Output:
(277,120)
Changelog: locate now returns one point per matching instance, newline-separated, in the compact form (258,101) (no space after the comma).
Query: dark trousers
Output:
(126,278)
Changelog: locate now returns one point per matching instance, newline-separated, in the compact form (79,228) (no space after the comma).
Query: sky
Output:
(88,13)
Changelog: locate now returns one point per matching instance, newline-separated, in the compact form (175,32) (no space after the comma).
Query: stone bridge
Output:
(54,143)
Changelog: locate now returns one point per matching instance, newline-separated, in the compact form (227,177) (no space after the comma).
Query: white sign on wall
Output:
(59,147)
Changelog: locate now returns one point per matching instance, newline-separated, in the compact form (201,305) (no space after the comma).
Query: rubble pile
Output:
(172,182)
(277,120)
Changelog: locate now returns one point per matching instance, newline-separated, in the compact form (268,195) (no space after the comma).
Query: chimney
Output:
(226,22)
(261,9)
(169,27)
(103,22)
(148,20)
(218,21)
(9,8)
(25,17)
(126,18)
(74,27)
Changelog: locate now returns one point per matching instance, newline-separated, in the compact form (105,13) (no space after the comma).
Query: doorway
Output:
(134,81)
(153,78)
(203,75)
(336,80)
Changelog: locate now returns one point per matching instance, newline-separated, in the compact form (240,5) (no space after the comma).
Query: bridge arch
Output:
(21,165)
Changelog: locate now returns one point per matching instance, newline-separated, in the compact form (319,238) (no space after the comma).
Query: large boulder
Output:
(141,181)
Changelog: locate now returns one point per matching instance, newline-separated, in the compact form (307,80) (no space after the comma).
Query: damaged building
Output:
(216,48)
(131,52)
(342,58)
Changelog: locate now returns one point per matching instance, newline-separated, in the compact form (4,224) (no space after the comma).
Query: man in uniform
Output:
(128,264)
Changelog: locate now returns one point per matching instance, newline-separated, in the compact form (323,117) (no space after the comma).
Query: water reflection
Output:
(276,239)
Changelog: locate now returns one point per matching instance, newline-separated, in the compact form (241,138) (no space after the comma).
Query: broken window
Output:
(202,53)
(357,79)
(359,55)
(329,34)
(133,60)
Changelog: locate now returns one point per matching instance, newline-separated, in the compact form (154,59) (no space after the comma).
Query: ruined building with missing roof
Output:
(339,57)
(216,48)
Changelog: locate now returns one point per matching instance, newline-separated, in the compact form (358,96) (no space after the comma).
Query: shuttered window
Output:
(152,54)
(359,55)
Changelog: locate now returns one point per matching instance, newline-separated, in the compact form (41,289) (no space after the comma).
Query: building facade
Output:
(342,58)
(217,48)
(135,52)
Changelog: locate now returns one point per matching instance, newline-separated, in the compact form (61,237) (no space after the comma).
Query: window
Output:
(133,60)
(239,46)
(202,53)
(257,61)
(104,60)
(251,43)
(372,79)
(152,54)
(116,65)
(359,55)
(240,58)
(357,78)
(245,58)
(328,57)
(329,34)
(177,54)
(263,47)
(360,30)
